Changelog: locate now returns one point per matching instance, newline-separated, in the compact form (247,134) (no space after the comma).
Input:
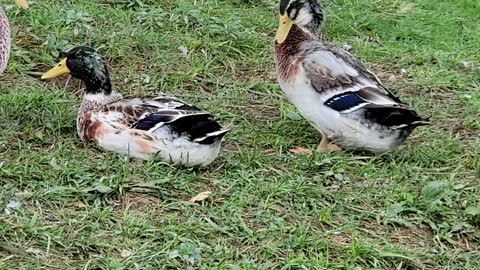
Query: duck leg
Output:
(326,146)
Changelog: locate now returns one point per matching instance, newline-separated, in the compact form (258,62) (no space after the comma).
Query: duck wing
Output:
(346,86)
(170,117)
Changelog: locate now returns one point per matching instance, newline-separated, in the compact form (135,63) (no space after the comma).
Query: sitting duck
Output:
(161,127)
(333,90)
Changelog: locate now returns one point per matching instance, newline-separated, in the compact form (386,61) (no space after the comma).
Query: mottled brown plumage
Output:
(160,127)
(334,90)
(286,53)
(87,125)
(4,40)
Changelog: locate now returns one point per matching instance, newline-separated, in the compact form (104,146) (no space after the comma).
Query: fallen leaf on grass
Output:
(125,253)
(79,204)
(347,47)
(295,116)
(300,151)
(183,50)
(35,251)
(467,65)
(12,205)
(406,7)
(201,197)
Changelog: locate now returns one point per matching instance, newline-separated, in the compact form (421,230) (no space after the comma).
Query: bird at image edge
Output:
(5,35)
(163,128)
(333,90)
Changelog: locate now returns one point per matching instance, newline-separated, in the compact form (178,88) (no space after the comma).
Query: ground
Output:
(65,205)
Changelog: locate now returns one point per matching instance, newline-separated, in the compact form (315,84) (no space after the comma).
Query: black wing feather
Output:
(194,126)
(344,101)
(391,117)
(181,118)
(153,119)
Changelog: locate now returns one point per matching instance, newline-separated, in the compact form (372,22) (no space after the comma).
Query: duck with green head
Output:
(164,128)
(5,39)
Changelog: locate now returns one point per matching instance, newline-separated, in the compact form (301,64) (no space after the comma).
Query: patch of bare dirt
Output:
(247,73)
(395,79)
(450,114)
(415,237)
(262,109)
(231,148)
(341,240)
(467,243)
(138,203)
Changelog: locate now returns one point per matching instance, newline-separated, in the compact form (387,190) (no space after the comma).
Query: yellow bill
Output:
(22,3)
(283,28)
(60,69)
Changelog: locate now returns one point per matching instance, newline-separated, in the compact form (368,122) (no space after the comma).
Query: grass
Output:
(81,208)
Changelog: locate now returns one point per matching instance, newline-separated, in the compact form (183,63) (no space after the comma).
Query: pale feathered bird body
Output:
(164,128)
(340,97)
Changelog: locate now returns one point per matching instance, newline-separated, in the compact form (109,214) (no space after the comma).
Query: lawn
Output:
(82,208)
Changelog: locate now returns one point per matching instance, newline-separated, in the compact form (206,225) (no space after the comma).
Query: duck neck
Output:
(288,52)
(295,38)
(4,40)
(98,92)
(94,100)
(98,84)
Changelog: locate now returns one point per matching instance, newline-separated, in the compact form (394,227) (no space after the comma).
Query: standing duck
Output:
(5,35)
(333,90)
(161,127)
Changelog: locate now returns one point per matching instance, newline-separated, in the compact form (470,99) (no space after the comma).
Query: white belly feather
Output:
(343,129)
(159,144)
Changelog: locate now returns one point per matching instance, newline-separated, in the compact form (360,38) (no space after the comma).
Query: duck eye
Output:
(293,13)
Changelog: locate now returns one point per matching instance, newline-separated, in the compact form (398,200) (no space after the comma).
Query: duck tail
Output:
(213,137)
(396,118)
(422,122)
(200,127)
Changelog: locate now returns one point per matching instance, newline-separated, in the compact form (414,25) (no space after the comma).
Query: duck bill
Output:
(22,3)
(283,29)
(59,70)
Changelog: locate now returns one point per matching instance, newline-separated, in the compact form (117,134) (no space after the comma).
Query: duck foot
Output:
(331,147)
(326,146)
(300,151)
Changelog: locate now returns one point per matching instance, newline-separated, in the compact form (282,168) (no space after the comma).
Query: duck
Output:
(5,39)
(163,128)
(333,90)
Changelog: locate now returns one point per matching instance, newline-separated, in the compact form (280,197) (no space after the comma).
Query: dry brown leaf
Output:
(300,151)
(201,197)
(270,152)
(406,7)
(79,204)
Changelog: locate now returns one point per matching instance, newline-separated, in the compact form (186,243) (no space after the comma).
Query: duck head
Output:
(307,14)
(86,64)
